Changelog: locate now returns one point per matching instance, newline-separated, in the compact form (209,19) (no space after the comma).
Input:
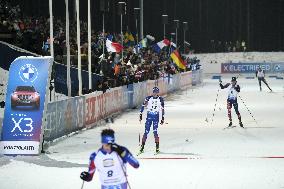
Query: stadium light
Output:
(136,15)
(165,21)
(185,28)
(176,25)
(121,12)
(104,7)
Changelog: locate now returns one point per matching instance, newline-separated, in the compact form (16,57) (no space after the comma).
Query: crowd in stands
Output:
(33,34)
(228,46)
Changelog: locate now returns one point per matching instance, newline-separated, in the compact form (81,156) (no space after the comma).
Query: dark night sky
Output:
(258,22)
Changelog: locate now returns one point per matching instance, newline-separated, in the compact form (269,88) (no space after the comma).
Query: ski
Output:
(139,153)
(156,153)
(229,127)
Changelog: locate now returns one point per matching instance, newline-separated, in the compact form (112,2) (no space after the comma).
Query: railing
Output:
(73,114)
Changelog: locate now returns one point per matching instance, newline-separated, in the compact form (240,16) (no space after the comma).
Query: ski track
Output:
(194,153)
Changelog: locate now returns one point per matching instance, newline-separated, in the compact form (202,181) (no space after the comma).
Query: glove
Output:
(86,176)
(162,120)
(140,117)
(119,150)
(220,83)
(237,88)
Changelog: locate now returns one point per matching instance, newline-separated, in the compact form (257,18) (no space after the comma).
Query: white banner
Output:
(19,147)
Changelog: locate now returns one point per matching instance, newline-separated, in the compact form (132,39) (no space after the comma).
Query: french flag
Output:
(160,45)
(113,47)
(173,47)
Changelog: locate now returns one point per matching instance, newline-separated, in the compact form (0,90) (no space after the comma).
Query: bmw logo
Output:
(28,73)
(277,67)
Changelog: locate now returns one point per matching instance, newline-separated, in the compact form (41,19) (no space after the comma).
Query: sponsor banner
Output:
(25,100)
(19,147)
(196,77)
(174,84)
(277,67)
(139,93)
(150,85)
(186,79)
(252,67)
(93,111)
(130,89)
(99,106)
(168,79)
(162,85)
(64,117)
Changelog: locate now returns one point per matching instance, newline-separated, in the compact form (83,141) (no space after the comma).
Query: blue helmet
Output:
(156,90)
(107,136)
(108,139)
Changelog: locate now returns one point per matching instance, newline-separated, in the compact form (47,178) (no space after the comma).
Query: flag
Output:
(160,45)
(137,48)
(173,47)
(128,39)
(113,47)
(168,77)
(140,45)
(109,37)
(178,60)
(143,43)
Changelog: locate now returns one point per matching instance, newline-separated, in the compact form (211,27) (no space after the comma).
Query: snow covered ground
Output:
(196,152)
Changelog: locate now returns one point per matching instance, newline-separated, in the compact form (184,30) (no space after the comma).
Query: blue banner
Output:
(61,79)
(25,104)
(269,67)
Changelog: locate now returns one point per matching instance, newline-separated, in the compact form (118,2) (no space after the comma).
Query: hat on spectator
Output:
(129,63)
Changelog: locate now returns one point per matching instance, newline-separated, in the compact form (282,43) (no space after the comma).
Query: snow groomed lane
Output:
(195,153)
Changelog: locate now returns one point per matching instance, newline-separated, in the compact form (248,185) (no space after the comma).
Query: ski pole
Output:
(248,110)
(215,106)
(82,184)
(124,172)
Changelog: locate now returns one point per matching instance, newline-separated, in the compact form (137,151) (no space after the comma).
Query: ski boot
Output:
(142,148)
(230,124)
(157,148)
(241,124)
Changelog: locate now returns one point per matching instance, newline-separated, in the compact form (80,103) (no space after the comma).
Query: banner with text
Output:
(251,67)
(25,105)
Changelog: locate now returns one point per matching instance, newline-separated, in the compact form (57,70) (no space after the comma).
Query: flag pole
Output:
(103,35)
(89,45)
(68,49)
(51,28)
(121,35)
(141,20)
(79,48)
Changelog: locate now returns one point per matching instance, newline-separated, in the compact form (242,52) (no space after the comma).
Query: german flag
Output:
(178,60)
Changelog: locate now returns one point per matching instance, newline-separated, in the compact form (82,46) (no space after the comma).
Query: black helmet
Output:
(234,79)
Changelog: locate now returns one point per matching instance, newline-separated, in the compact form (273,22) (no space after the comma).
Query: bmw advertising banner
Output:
(25,105)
